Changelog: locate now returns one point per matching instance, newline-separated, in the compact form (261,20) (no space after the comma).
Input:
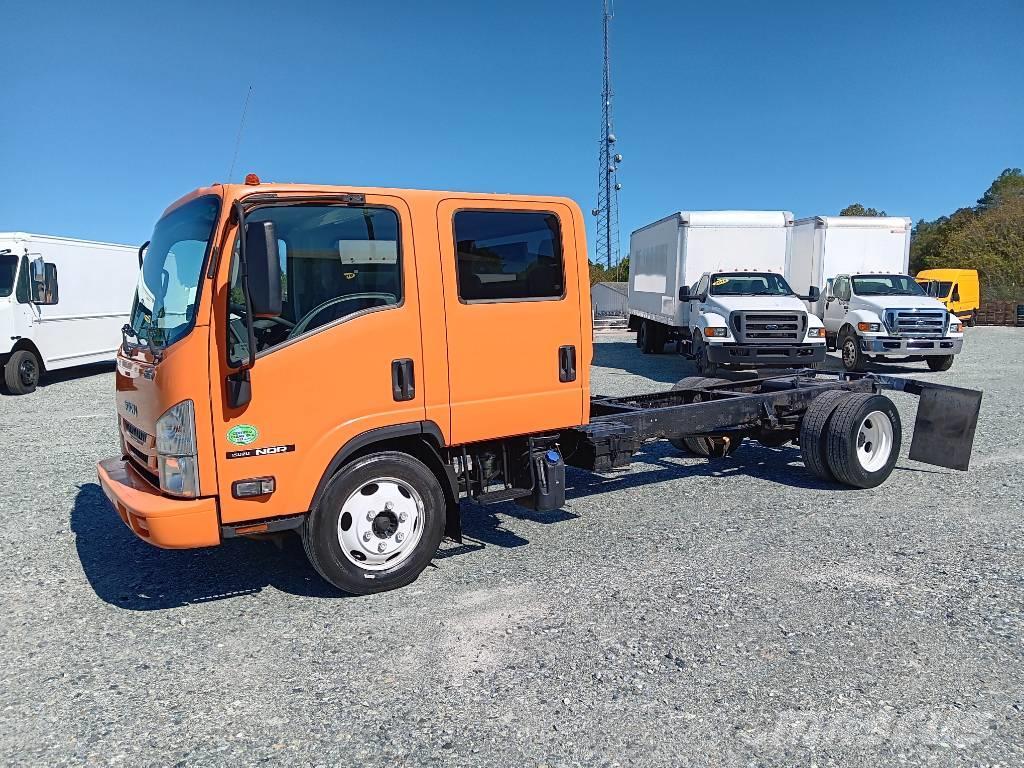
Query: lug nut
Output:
(370,515)
(399,536)
(381,547)
(366,536)
(388,505)
(403,517)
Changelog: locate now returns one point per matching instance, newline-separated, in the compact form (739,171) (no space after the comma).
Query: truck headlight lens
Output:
(871,327)
(816,333)
(716,332)
(176,450)
(956,327)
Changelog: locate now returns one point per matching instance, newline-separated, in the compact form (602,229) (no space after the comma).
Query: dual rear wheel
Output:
(851,438)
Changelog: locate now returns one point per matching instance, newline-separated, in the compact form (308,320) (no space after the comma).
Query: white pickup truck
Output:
(874,315)
(749,319)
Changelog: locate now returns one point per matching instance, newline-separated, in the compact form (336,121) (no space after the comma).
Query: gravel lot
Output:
(682,613)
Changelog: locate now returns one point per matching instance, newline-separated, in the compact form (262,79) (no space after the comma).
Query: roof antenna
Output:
(238,139)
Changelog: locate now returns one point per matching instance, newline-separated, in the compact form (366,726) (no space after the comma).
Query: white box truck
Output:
(62,303)
(870,306)
(713,281)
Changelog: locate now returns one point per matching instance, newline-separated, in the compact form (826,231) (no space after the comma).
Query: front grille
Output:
(769,327)
(919,323)
(135,433)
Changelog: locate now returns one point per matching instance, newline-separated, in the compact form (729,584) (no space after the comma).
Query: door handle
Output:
(567,363)
(403,381)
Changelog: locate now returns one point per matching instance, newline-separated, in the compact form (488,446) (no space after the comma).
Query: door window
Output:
(336,261)
(508,256)
(841,289)
(956,293)
(702,286)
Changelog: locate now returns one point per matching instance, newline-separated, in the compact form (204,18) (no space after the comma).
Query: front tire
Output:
(700,356)
(853,357)
(378,525)
(21,373)
(939,362)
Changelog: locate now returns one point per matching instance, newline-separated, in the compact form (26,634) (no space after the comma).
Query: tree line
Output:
(988,237)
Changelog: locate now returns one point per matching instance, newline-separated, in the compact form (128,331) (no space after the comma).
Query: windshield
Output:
(168,287)
(749,284)
(886,285)
(8,269)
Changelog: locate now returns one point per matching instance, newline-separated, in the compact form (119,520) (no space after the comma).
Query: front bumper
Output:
(153,517)
(901,346)
(793,356)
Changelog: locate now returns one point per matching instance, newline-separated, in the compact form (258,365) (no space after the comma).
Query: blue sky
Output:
(114,110)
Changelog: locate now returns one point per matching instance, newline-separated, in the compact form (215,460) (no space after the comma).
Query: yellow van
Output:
(958,289)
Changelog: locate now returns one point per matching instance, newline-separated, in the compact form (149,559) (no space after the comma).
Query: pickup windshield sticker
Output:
(243,434)
(270,450)
(720,281)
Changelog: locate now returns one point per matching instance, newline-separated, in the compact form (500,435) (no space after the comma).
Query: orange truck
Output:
(349,363)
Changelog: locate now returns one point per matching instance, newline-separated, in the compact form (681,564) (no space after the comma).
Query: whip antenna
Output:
(238,138)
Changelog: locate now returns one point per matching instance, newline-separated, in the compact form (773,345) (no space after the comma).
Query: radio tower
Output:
(608,186)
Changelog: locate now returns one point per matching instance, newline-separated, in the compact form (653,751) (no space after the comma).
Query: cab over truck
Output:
(350,363)
(712,281)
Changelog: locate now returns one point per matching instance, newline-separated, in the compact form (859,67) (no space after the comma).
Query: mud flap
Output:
(946,420)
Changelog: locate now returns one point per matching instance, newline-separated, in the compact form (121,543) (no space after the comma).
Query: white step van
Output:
(713,282)
(871,307)
(62,303)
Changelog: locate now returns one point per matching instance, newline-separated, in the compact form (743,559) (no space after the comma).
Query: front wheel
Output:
(853,357)
(972,321)
(378,524)
(939,362)
(705,367)
(21,373)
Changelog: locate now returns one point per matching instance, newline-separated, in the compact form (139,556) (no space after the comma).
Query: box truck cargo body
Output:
(870,306)
(62,303)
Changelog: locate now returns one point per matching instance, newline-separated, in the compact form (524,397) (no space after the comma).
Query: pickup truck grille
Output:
(769,327)
(918,323)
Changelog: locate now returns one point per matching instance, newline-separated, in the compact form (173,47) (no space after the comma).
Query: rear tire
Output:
(704,446)
(849,348)
(647,337)
(21,373)
(939,362)
(972,321)
(408,508)
(813,433)
(864,437)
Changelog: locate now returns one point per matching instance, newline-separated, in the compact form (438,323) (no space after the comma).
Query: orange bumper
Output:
(162,521)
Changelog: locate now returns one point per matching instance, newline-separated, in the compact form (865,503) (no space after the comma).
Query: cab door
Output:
(512,303)
(344,357)
(837,304)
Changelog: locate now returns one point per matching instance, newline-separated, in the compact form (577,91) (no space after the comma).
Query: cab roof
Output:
(240,191)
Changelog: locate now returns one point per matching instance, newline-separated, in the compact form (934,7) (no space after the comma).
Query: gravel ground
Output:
(681,613)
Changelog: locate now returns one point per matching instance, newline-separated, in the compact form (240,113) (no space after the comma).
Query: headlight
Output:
(870,327)
(716,332)
(176,450)
(816,333)
(956,327)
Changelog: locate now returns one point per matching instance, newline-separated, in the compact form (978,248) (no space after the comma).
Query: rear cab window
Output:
(508,256)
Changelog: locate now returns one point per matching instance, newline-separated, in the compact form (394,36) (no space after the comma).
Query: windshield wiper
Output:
(127,330)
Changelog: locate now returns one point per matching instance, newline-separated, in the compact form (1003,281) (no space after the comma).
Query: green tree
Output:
(856,209)
(1008,185)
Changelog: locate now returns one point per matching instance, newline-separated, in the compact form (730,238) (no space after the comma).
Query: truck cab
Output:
(958,289)
(883,316)
(285,336)
(750,319)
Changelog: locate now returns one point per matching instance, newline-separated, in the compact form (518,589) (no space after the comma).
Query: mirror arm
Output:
(142,250)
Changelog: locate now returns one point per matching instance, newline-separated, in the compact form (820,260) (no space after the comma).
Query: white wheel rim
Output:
(380,524)
(850,351)
(874,441)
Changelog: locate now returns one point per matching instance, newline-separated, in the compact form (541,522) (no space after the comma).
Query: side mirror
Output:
(684,293)
(813,294)
(44,282)
(263,269)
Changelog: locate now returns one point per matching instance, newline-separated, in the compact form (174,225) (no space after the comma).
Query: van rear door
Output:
(512,305)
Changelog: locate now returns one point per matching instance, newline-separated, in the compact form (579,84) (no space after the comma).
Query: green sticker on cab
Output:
(243,434)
